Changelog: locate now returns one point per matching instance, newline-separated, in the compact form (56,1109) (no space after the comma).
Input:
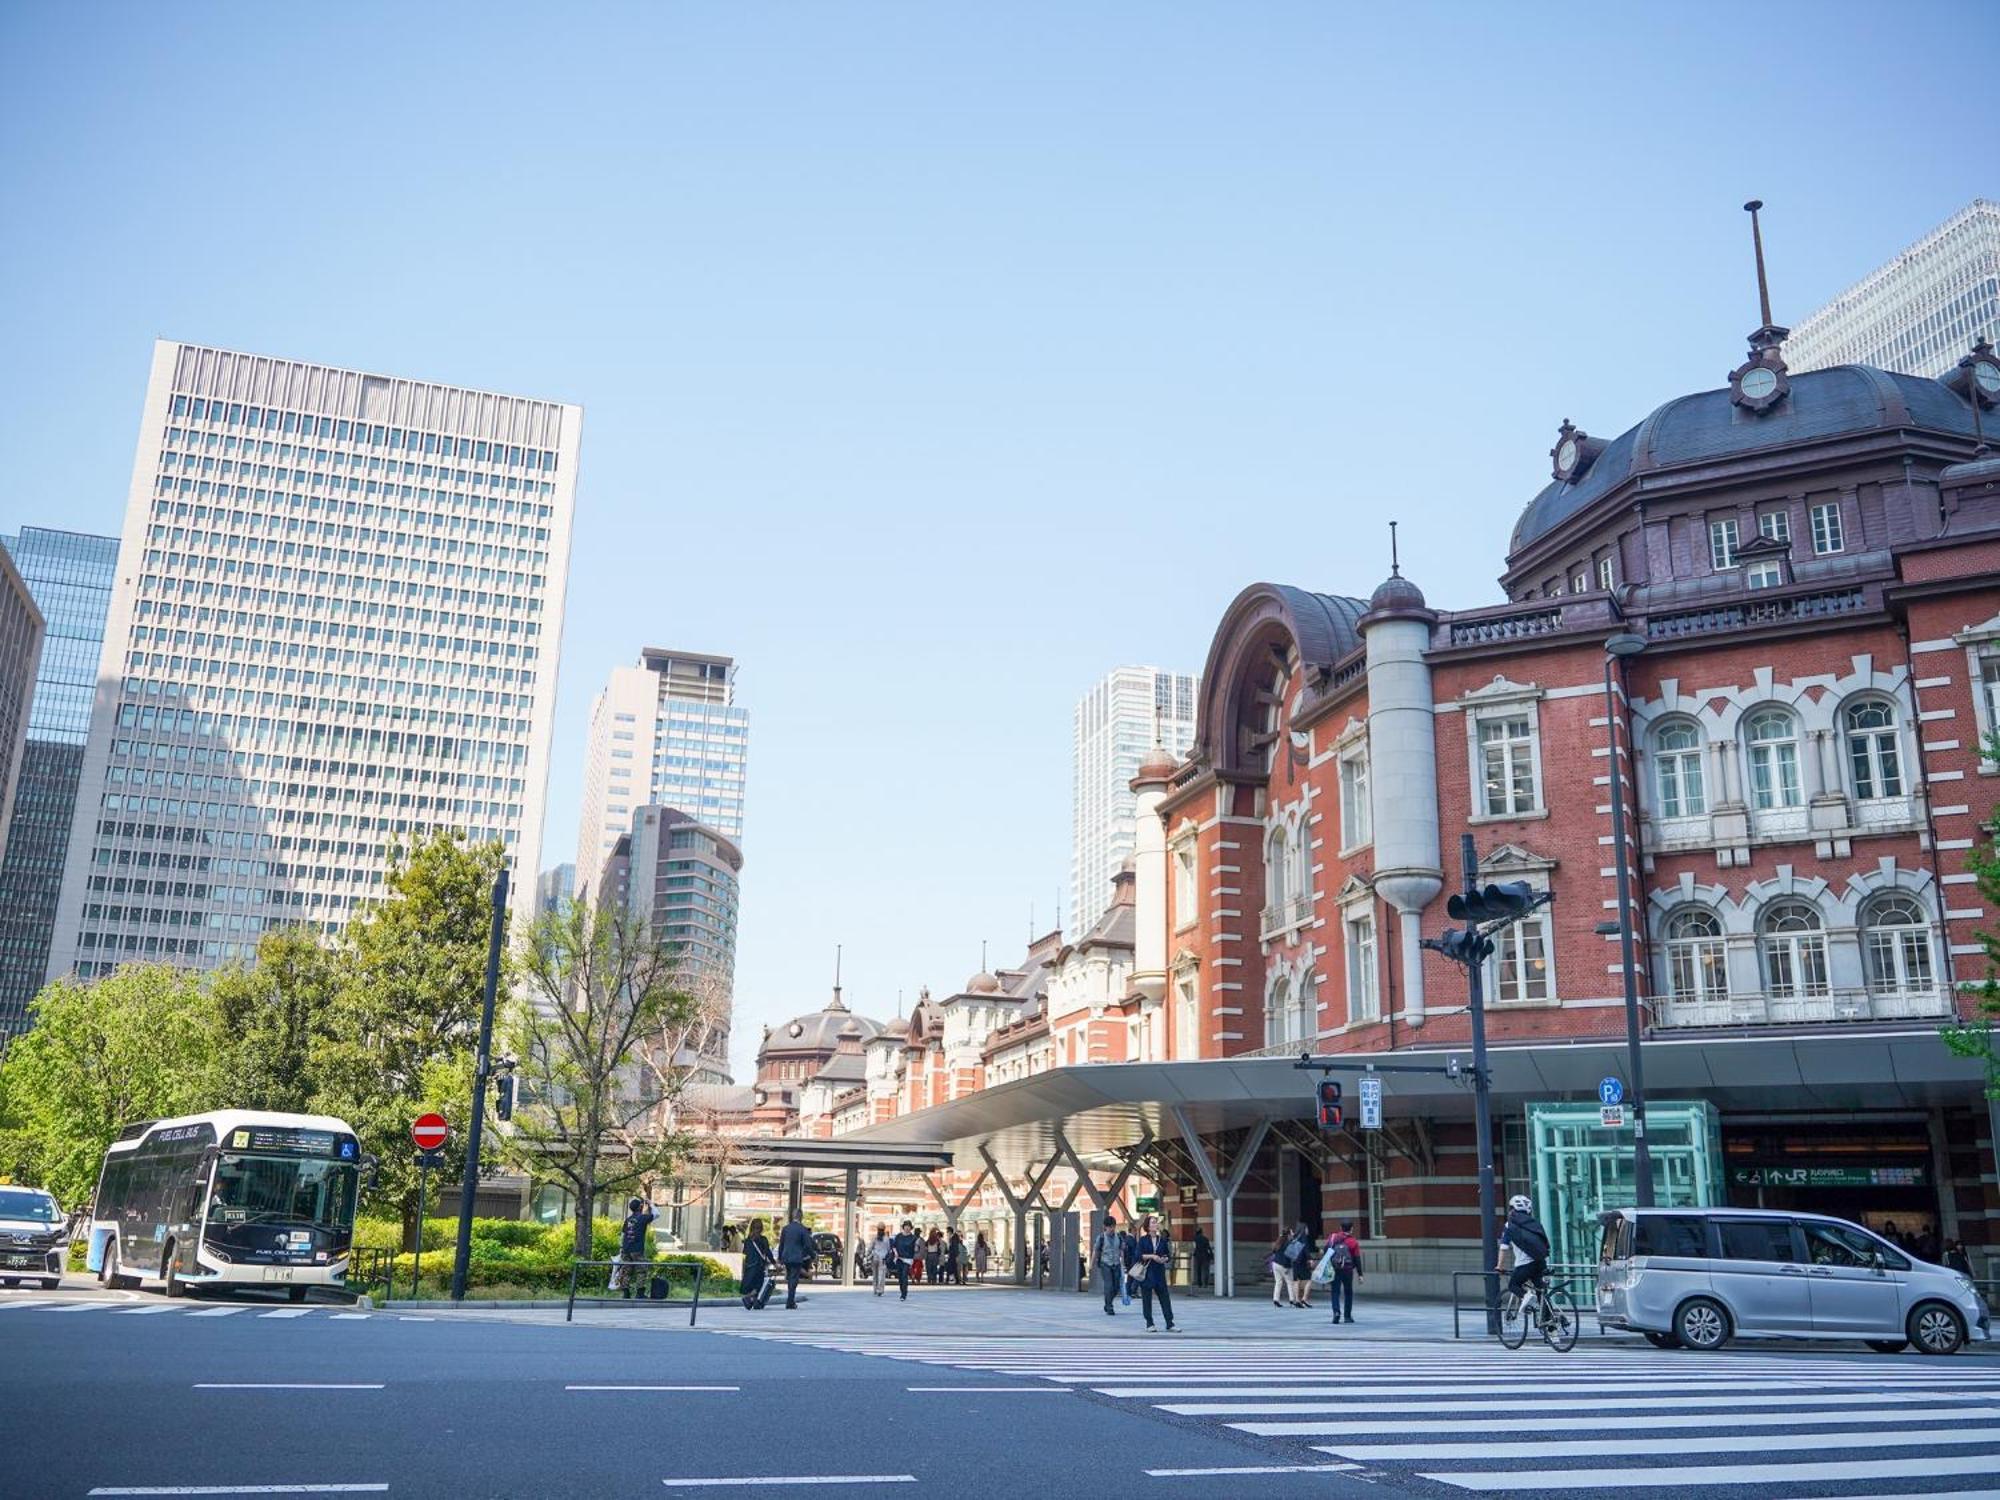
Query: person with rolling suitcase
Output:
(758,1261)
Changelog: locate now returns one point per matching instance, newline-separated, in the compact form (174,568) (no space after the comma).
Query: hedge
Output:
(515,1258)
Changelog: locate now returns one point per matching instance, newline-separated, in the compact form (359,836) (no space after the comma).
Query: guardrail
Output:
(1579,1280)
(368,1269)
(646,1273)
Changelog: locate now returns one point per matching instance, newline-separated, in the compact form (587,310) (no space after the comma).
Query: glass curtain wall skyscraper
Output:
(1919,313)
(667,732)
(1115,724)
(334,629)
(70,576)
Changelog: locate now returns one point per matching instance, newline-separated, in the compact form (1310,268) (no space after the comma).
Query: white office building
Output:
(334,628)
(1116,723)
(667,732)
(1919,313)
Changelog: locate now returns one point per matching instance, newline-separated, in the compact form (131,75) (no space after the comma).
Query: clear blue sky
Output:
(936,358)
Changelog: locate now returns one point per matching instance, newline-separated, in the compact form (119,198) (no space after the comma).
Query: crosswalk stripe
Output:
(1774,1385)
(1361,1410)
(286,1312)
(1359,1425)
(1772,1442)
(1701,1475)
(151,1307)
(218,1312)
(338,1316)
(75,1306)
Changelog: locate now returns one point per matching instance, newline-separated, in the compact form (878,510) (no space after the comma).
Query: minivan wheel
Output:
(1702,1323)
(1888,1346)
(10,1281)
(52,1283)
(1936,1329)
(1662,1340)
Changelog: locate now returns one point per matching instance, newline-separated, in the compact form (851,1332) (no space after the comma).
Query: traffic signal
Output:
(1506,902)
(1464,946)
(1330,1116)
(503,1098)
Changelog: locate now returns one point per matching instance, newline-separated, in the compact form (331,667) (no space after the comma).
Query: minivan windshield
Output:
(20,1203)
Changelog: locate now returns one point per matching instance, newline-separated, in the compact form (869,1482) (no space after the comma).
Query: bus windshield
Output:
(254,1188)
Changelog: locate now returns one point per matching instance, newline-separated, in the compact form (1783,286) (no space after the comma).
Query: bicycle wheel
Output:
(1558,1319)
(1513,1321)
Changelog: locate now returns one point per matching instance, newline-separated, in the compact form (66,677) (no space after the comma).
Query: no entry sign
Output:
(429,1131)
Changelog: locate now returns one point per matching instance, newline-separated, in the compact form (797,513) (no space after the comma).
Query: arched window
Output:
(1677,759)
(1873,758)
(1774,759)
(1277,869)
(1793,942)
(1305,1024)
(1896,945)
(1278,1013)
(1697,969)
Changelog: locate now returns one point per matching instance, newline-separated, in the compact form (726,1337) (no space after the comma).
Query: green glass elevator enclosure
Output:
(1578,1167)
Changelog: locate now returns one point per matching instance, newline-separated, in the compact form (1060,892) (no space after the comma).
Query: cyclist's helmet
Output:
(1520,1203)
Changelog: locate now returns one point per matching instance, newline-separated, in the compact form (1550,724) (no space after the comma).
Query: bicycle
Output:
(1551,1311)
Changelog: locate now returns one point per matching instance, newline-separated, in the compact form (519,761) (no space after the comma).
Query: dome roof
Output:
(982,983)
(1158,765)
(1396,595)
(820,1031)
(1707,426)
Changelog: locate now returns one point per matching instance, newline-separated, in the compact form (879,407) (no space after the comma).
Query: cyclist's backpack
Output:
(1530,1239)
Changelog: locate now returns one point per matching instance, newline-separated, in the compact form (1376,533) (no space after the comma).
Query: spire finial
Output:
(1395,558)
(836,1003)
(982,955)
(1757,243)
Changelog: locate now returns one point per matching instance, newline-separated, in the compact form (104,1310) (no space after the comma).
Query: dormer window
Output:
(1775,524)
(1767,574)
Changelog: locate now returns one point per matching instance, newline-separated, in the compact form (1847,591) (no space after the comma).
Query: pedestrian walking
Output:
(757,1264)
(934,1258)
(908,1251)
(1204,1258)
(1108,1250)
(1128,1257)
(880,1253)
(1154,1251)
(982,1256)
(954,1259)
(639,1218)
(1302,1266)
(1282,1261)
(795,1253)
(1957,1259)
(1338,1265)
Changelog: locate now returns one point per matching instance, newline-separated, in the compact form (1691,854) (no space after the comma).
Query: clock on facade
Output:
(1977,377)
(1573,451)
(1760,382)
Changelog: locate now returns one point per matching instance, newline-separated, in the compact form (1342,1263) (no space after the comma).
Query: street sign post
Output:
(1611,1117)
(1611,1091)
(427,1163)
(429,1132)
(1371,1104)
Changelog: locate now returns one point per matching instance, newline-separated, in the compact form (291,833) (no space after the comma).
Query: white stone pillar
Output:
(1402,769)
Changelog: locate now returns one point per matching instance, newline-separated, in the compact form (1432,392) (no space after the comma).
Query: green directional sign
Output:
(1915,1175)
(1148,1204)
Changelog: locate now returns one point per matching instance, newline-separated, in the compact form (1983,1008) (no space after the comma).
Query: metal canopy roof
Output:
(864,1154)
(1103,1106)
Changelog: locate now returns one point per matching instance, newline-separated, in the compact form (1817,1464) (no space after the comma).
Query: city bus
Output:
(231,1198)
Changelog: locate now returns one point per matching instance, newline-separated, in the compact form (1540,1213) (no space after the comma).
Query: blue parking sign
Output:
(1610,1091)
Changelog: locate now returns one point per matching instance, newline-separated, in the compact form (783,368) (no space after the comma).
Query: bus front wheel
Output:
(295,1293)
(170,1272)
(111,1278)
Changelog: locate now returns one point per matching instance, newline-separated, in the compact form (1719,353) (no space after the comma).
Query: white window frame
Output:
(1187,1009)
(1579,581)
(1775,525)
(1764,573)
(1357,817)
(1680,779)
(1802,952)
(1606,574)
(1829,529)
(1775,762)
(1874,756)
(1695,963)
(1513,945)
(1364,968)
(1278,1010)
(1511,805)
(1902,953)
(1724,537)
(1184,854)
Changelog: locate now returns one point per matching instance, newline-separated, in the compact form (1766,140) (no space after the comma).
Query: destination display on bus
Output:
(287,1140)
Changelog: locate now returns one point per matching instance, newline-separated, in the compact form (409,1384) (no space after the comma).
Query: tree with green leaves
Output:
(275,1014)
(143,1043)
(401,1031)
(604,1030)
(1978,1037)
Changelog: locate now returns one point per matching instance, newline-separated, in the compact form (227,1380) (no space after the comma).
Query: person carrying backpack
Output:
(631,1245)
(1338,1265)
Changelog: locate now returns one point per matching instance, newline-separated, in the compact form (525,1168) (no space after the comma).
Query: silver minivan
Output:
(1696,1277)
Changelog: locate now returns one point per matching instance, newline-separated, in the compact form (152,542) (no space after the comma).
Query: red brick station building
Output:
(1813,563)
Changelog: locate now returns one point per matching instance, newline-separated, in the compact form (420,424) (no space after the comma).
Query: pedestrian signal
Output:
(1330,1117)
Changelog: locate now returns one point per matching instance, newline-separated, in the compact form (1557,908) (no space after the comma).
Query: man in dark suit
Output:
(795,1253)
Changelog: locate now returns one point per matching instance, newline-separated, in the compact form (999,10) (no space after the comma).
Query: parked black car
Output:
(826,1255)
(34,1238)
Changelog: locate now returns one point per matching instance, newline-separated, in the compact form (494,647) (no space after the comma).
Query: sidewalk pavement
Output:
(999,1312)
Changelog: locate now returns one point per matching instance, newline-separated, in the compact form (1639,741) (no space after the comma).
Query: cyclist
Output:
(1529,1241)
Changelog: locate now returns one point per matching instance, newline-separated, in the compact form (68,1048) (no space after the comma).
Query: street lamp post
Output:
(1622,645)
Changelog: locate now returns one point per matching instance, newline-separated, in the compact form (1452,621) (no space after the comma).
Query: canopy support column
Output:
(847,1227)
(1222,1192)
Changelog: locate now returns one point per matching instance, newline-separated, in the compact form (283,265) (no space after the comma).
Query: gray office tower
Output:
(69,575)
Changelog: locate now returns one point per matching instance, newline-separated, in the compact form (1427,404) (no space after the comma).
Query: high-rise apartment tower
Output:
(70,576)
(667,733)
(334,629)
(1920,312)
(1116,724)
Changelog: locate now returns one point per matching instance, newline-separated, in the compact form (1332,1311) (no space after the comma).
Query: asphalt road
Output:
(112,1399)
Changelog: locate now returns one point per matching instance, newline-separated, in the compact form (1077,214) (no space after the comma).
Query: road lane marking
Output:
(1357,1422)
(282,1385)
(1527,1482)
(218,1312)
(1761,1388)
(150,1307)
(993,1390)
(76,1306)
(771,1479)
(286,1312)
(1253,1469)
(1707,1405)
(1639,1447)
(338,1316)
(406,1318)
(239,1489)
(652,1387)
